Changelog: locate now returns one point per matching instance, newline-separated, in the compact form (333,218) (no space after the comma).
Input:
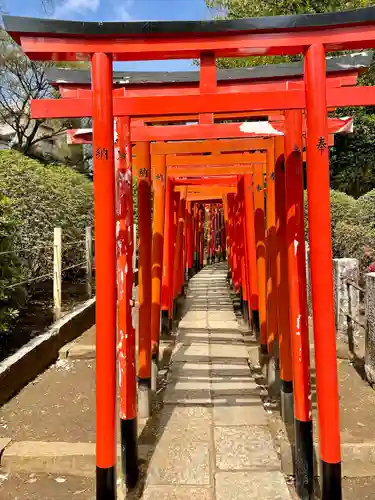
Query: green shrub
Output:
(366,209)
(10,269)
(352,226)
(43,197)
(343,209)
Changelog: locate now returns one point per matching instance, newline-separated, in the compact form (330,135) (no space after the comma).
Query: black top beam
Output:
(342,64)
(28,25)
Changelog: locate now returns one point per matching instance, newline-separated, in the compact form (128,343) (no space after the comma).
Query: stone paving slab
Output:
(192,352)
(246,447)
(177,493)
(180,463)
(189,369)
(251,486)
(222,325)
(240,415)
(183,424)
(223,351)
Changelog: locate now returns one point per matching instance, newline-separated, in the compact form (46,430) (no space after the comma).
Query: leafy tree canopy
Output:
(352,157)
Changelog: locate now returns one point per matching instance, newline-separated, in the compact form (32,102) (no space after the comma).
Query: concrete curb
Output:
(77,459)
(24,365)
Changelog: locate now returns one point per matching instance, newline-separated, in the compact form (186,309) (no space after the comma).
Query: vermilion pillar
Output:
(105,256)
(286,375)
(159,185)
(167,248)
(226,229)
(201,235)
(251,249)
(209,234)
(190,239)
(144,277)
(178,249)
(271,250)
(197,237)
(321,271)
(273,373)
(175,215)
(236,247)
(214,230)
(298,313)
(242,249)
(126,332)
(260,253)
(232,241)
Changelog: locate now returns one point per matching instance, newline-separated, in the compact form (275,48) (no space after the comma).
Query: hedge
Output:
(37,198)
(352,226)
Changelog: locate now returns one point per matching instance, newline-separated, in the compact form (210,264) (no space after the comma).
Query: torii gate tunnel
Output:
(244,183)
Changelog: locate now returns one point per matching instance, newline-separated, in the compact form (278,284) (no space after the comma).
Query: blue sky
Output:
(119,10)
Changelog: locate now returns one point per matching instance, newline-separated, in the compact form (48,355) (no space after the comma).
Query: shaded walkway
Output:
(213,442)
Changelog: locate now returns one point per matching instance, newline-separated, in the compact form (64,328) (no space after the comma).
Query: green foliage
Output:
(236,9)
(43,197)
(10,269)
(351,162)
(351,166)
(352,226)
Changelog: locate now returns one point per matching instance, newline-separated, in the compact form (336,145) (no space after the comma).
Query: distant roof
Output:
(25,25)
(349,62)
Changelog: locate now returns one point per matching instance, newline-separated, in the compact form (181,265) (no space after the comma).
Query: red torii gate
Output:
(309,34)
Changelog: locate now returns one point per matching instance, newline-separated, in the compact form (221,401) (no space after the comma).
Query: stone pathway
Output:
(213,442)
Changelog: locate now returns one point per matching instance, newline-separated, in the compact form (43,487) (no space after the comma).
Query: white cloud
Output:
(123,10)
(76,6)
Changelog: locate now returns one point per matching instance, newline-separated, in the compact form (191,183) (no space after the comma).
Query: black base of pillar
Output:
(174,309)
(208,261)
(255,323)
(129,452)
(165,323)
(105,483)
(304,460)
(229,275)
(240,296)
(245,311)
(331,480)
(190,272)
(263,349)
(224,255)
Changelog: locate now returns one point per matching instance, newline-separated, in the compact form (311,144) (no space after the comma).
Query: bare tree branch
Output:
(20,81)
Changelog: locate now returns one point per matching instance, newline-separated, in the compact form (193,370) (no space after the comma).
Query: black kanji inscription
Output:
(321,144)
(101,154)
(143,172)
